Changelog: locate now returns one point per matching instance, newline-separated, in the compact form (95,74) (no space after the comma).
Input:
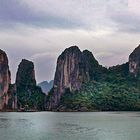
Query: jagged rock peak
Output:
(74,67)
(26,73)
(89,55)
(3,58)
(134,61)
(136,52)
(67,67)
(70,50)
(5,79)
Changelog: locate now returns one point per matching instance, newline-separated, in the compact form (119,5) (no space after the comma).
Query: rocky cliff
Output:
(73,69)
(134,61)
(5,79)
(29,95)
(12,102)
(26,74)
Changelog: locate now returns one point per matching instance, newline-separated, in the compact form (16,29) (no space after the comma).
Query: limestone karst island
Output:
(80,84)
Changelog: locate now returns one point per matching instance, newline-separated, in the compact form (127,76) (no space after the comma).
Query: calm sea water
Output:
(70,126)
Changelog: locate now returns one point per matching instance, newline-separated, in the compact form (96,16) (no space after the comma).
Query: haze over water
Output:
(70,126)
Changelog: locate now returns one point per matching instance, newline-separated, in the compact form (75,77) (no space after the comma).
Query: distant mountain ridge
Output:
(46,86)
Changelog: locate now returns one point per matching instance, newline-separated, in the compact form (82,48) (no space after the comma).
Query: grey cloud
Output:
(14,11)
(58,14)
(30,30)
(44,66)
(112,59)
(126,22)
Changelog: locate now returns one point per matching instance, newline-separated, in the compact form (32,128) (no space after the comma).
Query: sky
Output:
(39,30)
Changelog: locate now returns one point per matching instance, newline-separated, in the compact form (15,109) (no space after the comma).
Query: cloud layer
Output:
(40,30)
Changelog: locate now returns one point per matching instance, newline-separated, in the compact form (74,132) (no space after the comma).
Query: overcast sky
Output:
(39,30)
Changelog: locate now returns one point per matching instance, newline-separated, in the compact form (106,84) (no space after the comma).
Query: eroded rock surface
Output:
(134,61)
(5,79)
(74,67)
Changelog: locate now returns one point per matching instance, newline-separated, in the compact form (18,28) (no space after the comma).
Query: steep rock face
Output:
(12,102)
(25,74)
(91,65)
(5,79)
(73,68)
(134,61)
(29,96)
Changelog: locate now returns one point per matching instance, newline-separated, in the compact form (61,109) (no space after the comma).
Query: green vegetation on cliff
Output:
(102,96)
(116,90)
(31,98)
(29,95)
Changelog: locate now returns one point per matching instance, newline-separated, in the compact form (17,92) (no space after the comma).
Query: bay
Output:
(70,126)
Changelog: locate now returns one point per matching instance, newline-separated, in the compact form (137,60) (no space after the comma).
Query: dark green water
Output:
(70,126)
